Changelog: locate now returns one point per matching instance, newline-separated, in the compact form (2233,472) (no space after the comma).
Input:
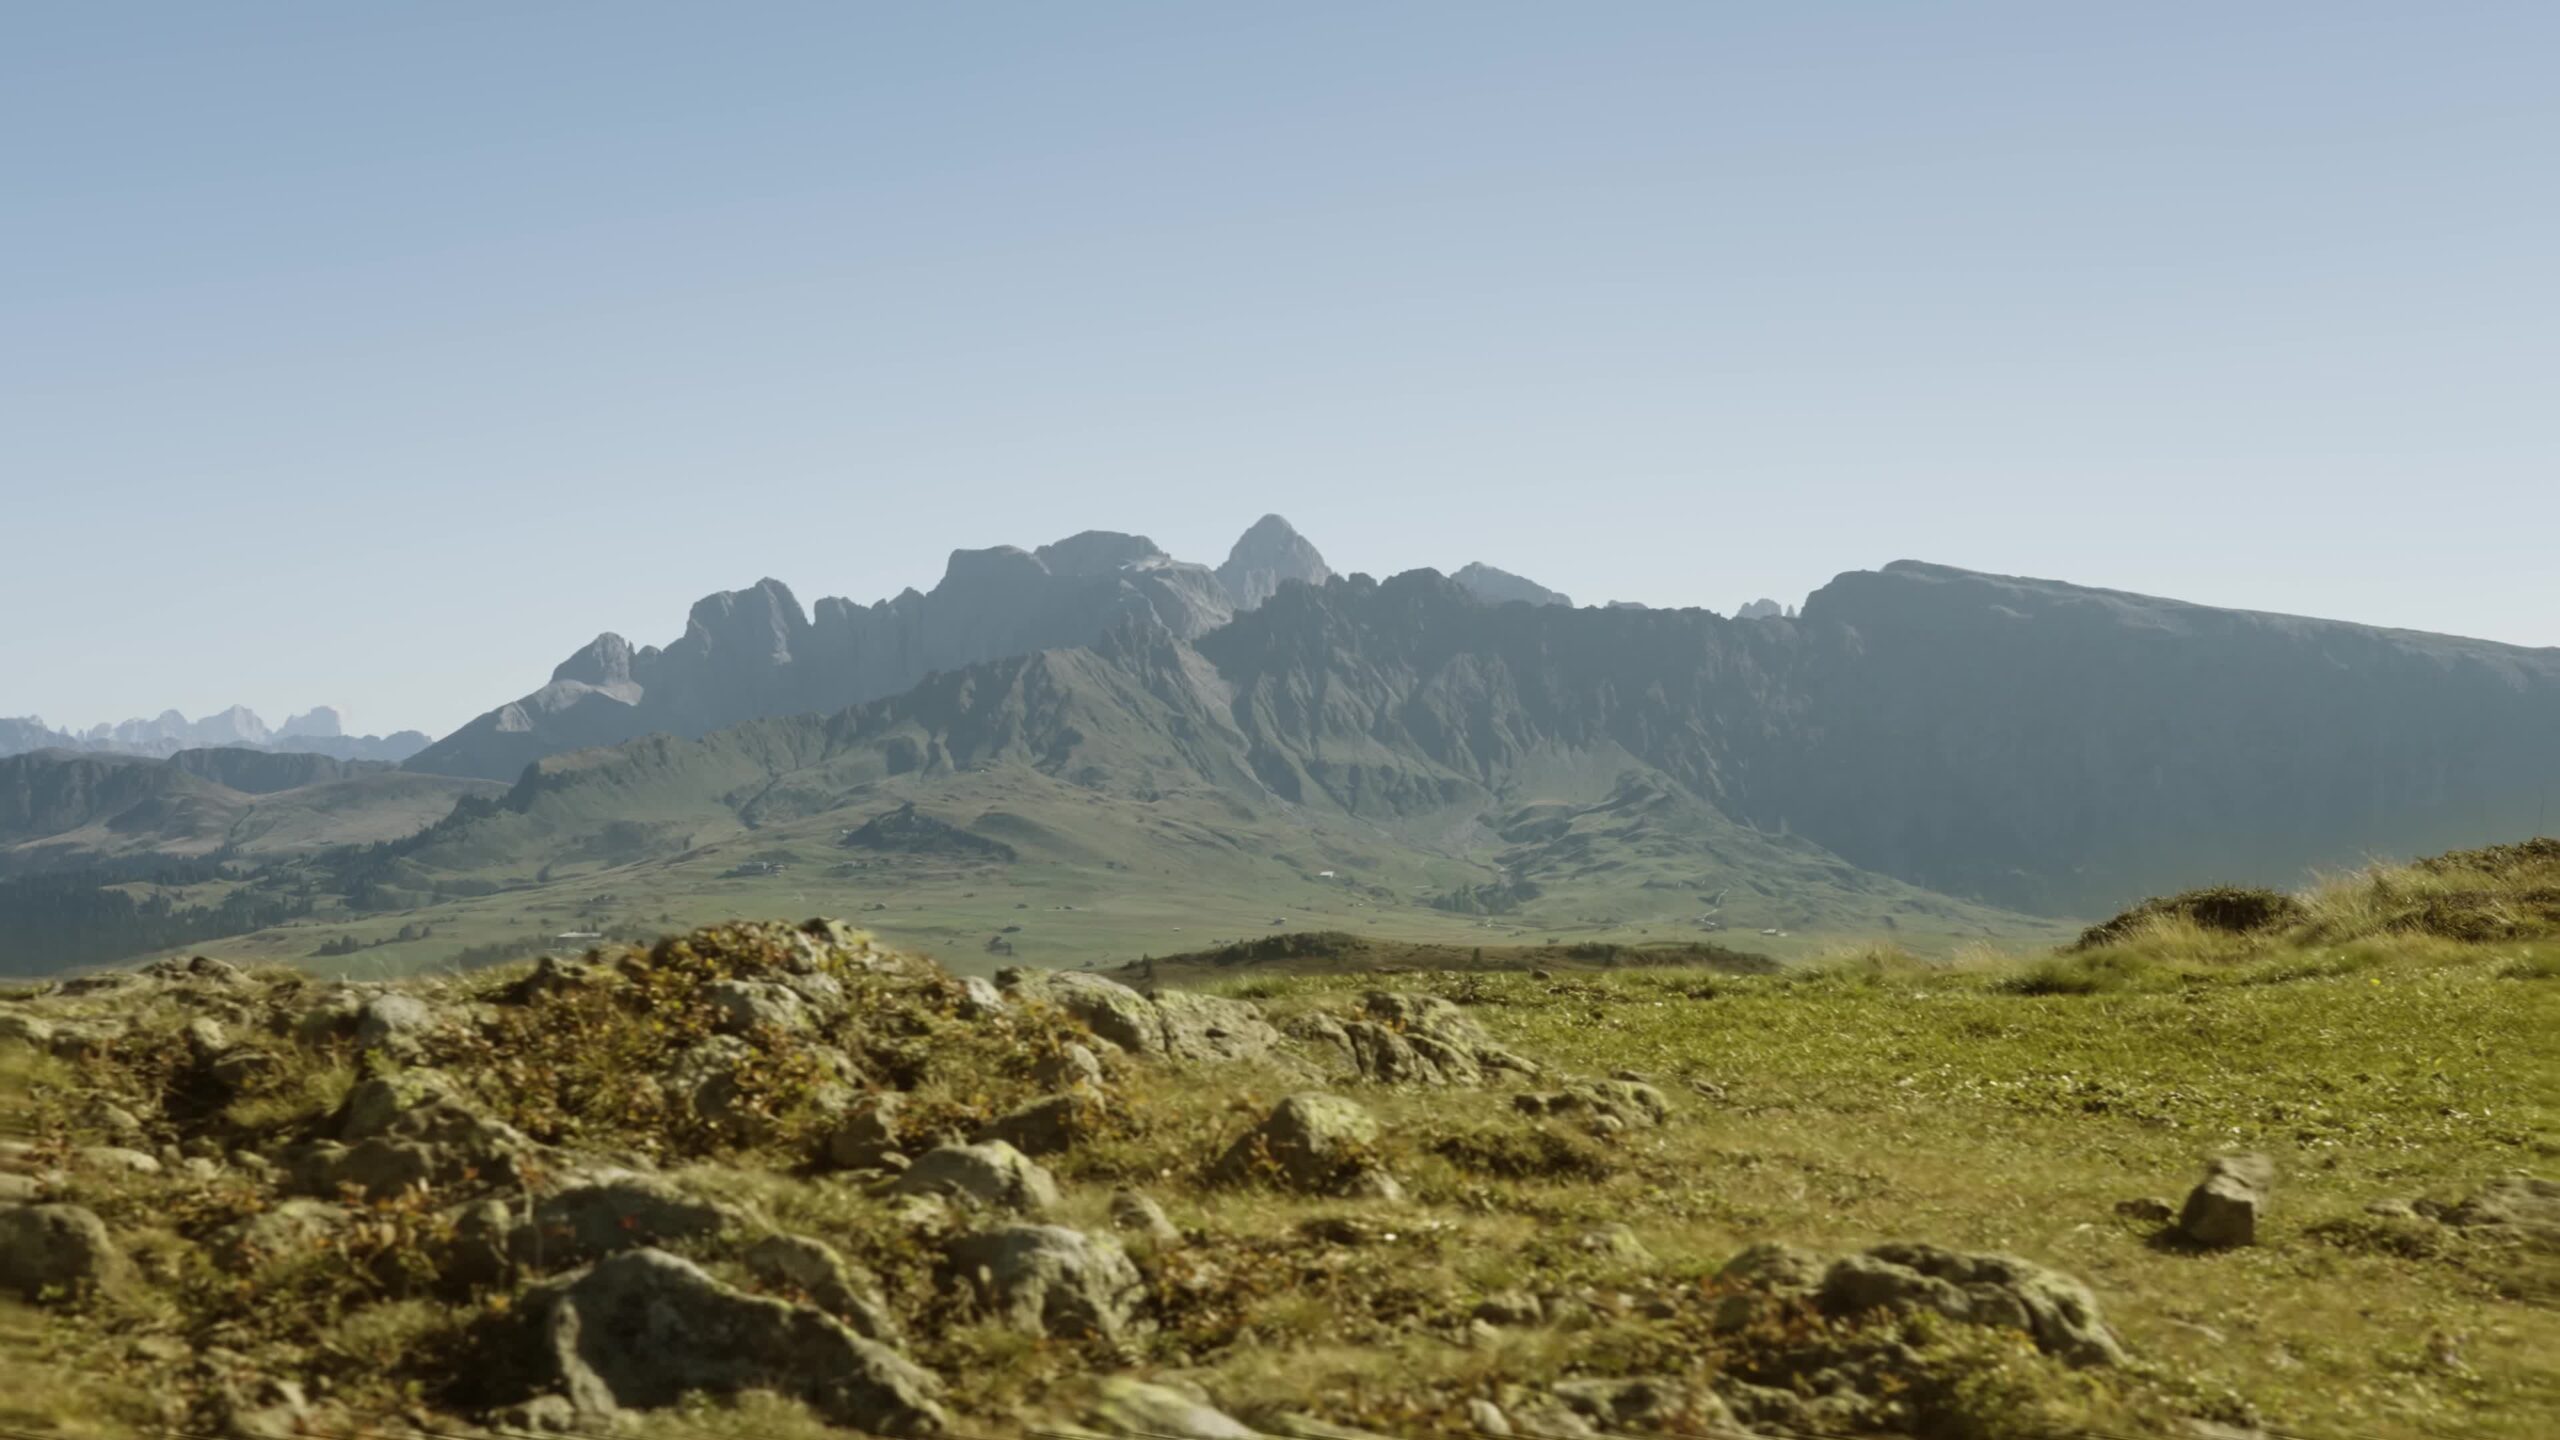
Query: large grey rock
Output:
(611,1211)
(289,1227)
(55,1252)
(1402,1039)
(815,1269)
(1321,1144)
(1995,1290)
(1138,1410)
(1045,1127)
(979,998)
(437,1143)
(393,1020)
(741,1006)
(866,1131)
(992,1173)
(1177,1025)
(1213,1027)
(1108,1008)
(640,1330)
(375,1105)
(1049,1280)
(2223,1210)
(1072,1065)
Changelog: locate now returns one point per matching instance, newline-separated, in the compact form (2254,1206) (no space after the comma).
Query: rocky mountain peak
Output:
(1100,552)
(763,621)
(1498,587)
(319,722)
(605,660)
(1266,556)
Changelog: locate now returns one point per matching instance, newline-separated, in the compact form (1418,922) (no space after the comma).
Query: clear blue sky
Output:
(382,354)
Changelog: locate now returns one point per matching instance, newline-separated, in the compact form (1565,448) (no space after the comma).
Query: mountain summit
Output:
(755,652)
(1266,557)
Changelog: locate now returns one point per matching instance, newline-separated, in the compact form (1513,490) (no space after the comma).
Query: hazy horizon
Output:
(381,358)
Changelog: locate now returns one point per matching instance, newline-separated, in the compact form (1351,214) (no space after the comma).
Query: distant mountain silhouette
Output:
(319,731)
(753,652)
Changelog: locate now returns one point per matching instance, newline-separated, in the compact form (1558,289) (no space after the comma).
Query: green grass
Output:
(1979,1100)
(1871,1101)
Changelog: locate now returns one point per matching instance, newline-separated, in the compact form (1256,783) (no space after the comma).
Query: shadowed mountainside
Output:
(2041,746)
(64,809)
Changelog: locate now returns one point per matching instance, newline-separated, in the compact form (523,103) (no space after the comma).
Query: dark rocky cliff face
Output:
(2034,744)
(2037,745)
(2067,749)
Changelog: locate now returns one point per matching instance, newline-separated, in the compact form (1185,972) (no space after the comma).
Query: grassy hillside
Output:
(61,810)
(636,841)
(1555,1244)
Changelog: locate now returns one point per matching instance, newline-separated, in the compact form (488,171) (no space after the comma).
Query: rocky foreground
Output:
(769,1161)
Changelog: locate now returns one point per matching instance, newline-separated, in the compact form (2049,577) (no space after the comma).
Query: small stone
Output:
(1617,1242)
(2147,1210)
(1510,1307)
(1046,1127)
(115,1158)
(1143,1217)
(2223,1211)
(866,1131)
(979,998)
(205,1038)
(1072,1065)
(1486,1418)
(992,1173)
(392,1021)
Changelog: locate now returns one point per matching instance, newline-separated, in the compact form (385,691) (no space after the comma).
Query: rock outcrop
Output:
(55,1252)
(1316,1143)
(1049,1280)
(641,1330)
(1501,587)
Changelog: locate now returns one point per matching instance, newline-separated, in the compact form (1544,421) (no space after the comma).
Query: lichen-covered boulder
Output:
(814,1269)
(608,1211)
(1312,1142)
(1047,1126)
(642,1329)
(2222,1211)
(55,1252)
(1996,1290)
(991,1173)
(1049,1280)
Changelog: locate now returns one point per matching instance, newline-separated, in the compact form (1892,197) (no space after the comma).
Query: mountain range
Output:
(1153,747)
(318,731)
